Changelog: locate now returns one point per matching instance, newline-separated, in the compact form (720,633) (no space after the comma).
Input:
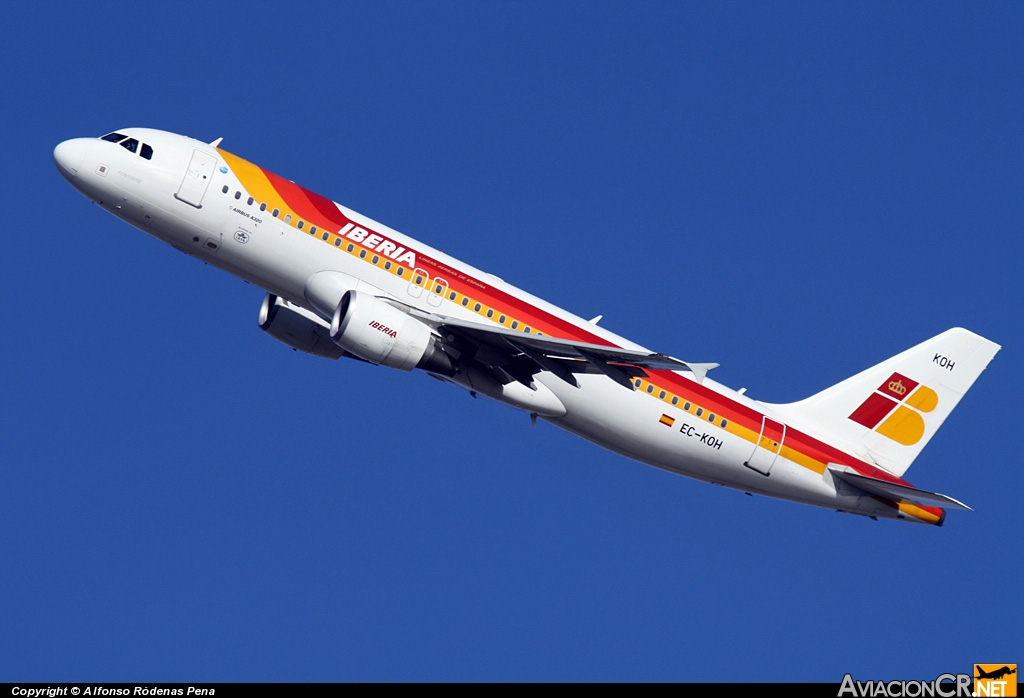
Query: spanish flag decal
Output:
(667,421)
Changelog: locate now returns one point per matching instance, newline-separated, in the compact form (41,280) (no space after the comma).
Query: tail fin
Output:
(889,412)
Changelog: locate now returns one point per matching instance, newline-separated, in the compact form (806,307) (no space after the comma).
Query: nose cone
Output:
(69,157)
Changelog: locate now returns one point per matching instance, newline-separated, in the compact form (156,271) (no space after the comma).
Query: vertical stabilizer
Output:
(889,412)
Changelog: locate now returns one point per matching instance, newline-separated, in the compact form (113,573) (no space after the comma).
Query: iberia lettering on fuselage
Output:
(379,243)
(339,284)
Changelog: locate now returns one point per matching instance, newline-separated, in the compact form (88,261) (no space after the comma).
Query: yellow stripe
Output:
(256,183)
(917,512)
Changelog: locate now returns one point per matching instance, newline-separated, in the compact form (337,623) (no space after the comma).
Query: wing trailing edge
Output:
(549,353)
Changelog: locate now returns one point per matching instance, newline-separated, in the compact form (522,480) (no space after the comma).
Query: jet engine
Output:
(380,333)
(297,327)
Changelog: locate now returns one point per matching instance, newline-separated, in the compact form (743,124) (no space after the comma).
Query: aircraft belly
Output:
(630,424)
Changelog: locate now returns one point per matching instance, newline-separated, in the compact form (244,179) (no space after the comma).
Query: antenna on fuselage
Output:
(216,143)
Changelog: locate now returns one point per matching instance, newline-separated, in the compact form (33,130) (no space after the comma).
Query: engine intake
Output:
(297,327)
(380,333)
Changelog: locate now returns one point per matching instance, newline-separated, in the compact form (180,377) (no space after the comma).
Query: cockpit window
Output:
(130,144)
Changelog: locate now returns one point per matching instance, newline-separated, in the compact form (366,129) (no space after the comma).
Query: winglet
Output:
(699,371)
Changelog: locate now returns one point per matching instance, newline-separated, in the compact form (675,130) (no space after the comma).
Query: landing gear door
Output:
(197,178)
(768,446)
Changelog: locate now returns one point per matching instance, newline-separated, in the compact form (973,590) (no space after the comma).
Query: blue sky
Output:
(796,191)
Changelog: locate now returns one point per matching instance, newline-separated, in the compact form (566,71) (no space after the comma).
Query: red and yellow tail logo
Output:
(995,680)
(900,402)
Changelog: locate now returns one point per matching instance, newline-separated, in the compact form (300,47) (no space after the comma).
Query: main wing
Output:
(511,355)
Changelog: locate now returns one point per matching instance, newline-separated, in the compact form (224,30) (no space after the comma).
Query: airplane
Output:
(342,285)
(995,673)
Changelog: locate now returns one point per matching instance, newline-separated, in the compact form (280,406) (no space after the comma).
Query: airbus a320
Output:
(342,285)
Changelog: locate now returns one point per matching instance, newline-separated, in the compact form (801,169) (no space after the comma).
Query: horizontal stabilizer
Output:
(894,491)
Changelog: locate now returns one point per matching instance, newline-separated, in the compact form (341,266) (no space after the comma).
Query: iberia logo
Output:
(995,680)
(900,402)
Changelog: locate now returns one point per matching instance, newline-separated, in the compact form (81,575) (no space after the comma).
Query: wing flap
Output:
(544,350)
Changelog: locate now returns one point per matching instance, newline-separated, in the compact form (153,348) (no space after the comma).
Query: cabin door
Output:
(768,446)
(197,178)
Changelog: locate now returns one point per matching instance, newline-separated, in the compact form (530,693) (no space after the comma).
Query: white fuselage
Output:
(204,209)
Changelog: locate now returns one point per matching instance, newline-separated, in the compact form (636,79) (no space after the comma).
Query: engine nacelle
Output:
(380,333)
(297,327)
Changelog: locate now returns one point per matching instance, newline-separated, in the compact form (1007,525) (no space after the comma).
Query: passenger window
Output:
(224,189)
(238,195)
(312,230)
(301,224)
(131,145)
(146,152)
